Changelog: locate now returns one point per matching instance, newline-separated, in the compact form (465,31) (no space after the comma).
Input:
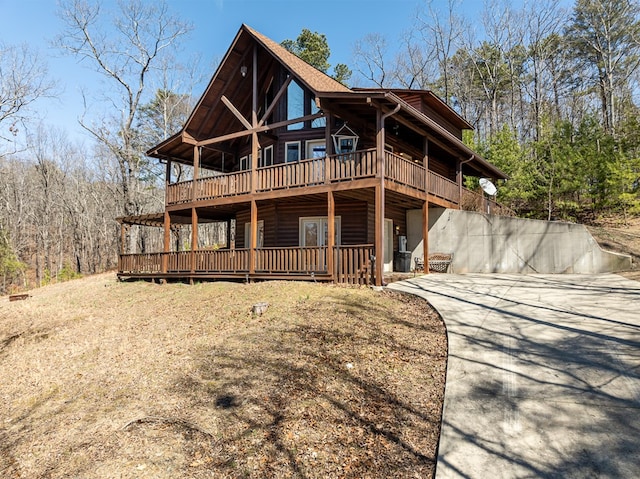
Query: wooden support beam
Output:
(459,179)
(254,88)
(379,192)
(187,138)
(260,129)
(167,180)
(328,149)
(425,210)
(225,85)
(196,168)
(379,200)
(123,239)
(194,238)
(425,236)
(275,101)
(167,241)
(379,234)
(331,234)
(254,122)
(235,112)
(254,237)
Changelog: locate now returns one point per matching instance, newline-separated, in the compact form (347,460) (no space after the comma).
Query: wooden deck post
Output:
(123,239)
(379,191)
(196,168)
(254,123)
(254,237)
(194,213)
(459,180)
(167,241)
(194,238)
(167,181)
(331,234)
(425,210)
(379,200)
(328,149)
(254,163)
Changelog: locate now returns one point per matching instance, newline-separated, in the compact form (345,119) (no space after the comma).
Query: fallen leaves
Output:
(328,382)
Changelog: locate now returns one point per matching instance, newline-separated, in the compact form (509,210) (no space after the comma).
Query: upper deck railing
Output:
(313,172)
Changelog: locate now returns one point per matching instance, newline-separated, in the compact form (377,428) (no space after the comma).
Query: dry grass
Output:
(614,235)
(108,379)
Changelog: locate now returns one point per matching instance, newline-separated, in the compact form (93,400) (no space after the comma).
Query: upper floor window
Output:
(295,105)
(265,157)
(318,122)
(292,151)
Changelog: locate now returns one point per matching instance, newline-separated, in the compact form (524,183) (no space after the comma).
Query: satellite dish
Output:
(488,187)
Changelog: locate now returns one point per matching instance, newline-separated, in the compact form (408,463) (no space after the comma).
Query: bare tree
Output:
(415,65)
(543,21)
(125,55)
(47,146)
(23,79)
(370,60)
(441,33)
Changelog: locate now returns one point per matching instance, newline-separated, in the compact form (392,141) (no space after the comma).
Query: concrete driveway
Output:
(543,375)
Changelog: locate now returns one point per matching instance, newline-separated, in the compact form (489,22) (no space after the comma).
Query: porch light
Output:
(243,71)
(345,140)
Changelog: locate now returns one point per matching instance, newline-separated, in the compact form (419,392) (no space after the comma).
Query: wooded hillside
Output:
(552,93)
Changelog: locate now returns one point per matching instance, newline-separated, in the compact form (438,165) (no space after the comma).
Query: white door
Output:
(247,235)
(388,245)
(315,231)
(316,149)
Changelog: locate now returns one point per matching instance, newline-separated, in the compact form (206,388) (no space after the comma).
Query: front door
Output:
(388,245)
(315,231)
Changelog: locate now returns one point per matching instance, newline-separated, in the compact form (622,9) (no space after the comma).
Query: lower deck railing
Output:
(351,263)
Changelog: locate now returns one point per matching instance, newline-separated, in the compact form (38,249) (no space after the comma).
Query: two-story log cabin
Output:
(315,178)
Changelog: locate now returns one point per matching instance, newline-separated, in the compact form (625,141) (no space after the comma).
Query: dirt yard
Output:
(614,235)
(106,379)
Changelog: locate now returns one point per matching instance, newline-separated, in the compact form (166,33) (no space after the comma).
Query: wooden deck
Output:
(351,264)
(320,172)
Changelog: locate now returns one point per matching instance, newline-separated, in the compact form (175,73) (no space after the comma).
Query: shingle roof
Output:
(316,80)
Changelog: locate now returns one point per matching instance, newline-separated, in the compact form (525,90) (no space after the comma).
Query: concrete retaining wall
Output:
(483,243)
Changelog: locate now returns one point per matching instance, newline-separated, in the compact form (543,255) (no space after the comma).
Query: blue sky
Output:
(215,24)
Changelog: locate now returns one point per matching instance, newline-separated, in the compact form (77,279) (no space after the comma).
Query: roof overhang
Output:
(421,123)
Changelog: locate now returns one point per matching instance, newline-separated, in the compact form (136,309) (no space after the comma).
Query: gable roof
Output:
(233,78)
(314,79)
(433,101)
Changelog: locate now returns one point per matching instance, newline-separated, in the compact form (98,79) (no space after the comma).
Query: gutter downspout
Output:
(379,196)
(460,179)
